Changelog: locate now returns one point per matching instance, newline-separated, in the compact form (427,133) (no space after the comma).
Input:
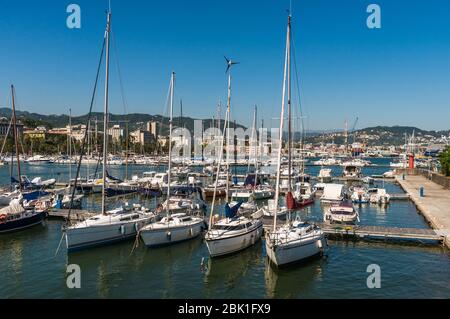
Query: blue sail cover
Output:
(231,212)
(113,178)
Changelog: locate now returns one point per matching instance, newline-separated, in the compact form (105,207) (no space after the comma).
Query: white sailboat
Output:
(232,233)
(109,226)
(173,228)
(294,241)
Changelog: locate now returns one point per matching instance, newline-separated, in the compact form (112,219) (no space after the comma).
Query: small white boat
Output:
(380,197)
(342,213)
(352,172)
(38,159)
(360,195)
(325,175)
(270,210)
(332,193)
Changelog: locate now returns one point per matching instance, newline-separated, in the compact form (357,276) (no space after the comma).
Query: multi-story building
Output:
(153,127)
(4,125)
(141,137)
(116,132)
(39,133)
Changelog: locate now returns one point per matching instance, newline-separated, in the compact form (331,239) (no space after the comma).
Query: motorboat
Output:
(380,197)
(302,196)
(271,209)
(15,217)
(38,159)
(332,193)
(341,212)
(185,198)
(325,175)
(360,195)
(352,172)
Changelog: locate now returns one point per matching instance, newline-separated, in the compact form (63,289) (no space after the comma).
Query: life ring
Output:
(3,218)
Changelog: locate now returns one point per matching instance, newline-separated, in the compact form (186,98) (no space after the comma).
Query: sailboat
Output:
(172,228)
(15,217)
(233,232)
(110,226)
(293,241)
(253,187)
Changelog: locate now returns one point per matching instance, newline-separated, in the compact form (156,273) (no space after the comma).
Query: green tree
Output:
(444,158)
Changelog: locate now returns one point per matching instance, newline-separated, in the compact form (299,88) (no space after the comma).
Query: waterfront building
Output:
(4,124)
(38,133)
(153,127)
(116,132)
(141,137)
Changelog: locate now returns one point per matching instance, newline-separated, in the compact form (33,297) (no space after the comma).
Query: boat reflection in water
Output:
(120,268)
(228,276)
(292,281)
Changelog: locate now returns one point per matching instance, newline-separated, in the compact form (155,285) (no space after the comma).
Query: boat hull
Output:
(94,236)
(230,245)
(17,225)
(282,255)
(158,237)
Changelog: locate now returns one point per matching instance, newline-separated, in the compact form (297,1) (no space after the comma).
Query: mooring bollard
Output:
(421,192)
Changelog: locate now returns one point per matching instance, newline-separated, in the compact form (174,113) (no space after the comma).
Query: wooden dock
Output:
(416,235)
(376,233)
(434,205)
(400,197)
(75,215)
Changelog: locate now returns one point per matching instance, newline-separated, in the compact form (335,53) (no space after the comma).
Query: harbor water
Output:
(30,269)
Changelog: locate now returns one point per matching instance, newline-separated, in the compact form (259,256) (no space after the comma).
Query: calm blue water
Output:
(30,269)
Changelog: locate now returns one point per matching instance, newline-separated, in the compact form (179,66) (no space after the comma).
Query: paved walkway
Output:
(435,205)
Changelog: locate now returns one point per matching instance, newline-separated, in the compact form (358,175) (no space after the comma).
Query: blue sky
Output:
(397,75)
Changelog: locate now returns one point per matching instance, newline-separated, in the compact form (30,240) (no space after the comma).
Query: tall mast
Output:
(70,145)
(172,88)
(16,138)
(280,146)
(105,115)
(126,147)
(346,138)
(252,138)
(228,136)
(288,48)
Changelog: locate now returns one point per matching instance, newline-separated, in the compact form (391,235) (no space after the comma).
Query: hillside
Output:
(380,135)
(135,120)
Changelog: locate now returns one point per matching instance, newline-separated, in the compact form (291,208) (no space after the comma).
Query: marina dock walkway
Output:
(435,205)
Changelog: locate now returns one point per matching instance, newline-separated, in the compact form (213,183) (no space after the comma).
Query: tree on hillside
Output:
(444,158)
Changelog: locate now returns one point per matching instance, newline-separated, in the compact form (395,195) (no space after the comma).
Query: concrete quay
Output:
(434,205)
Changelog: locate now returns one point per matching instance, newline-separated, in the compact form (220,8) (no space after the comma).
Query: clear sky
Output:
(396,75)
